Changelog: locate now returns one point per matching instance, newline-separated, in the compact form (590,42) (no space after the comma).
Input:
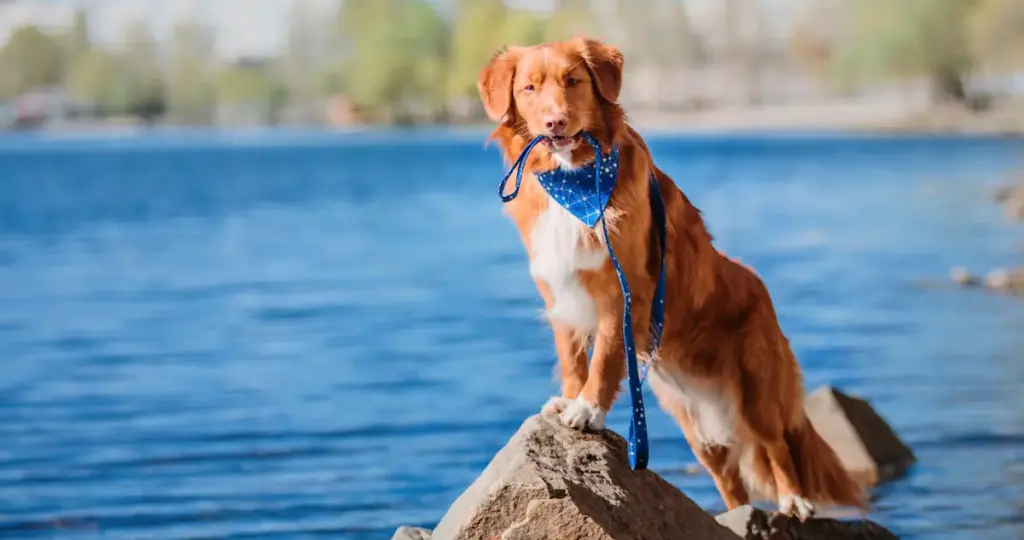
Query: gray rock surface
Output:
(553,483)
(754,524)
(869,449)
(411,533)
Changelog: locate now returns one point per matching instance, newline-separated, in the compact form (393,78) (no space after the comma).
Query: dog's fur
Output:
(724,370)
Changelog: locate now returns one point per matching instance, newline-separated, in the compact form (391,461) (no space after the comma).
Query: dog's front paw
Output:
(583,416)
(797,507)
(555,406)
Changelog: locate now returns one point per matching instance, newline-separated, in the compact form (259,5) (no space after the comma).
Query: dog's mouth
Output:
(560,142)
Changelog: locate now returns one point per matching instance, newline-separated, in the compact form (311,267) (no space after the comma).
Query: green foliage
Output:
(191,95)
(570,18)
(474,41)
(480,29)
(398,61)
(242,84)
(908,38)
(92,75)
(30,59)
(146,91)
(78,37)
(523,28)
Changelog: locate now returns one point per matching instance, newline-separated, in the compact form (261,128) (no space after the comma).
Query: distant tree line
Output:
(401,61)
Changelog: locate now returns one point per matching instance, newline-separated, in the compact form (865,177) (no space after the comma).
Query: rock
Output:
(1013,207)
(754,524)
(962,276)
(1012,198)
(1008,281)
(411,533)
(867,446)
(551,482)
(1002,193)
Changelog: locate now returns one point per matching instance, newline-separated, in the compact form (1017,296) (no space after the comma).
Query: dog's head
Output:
(554,90)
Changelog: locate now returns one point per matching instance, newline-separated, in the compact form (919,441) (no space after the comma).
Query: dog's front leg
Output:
(572,359)
(572,363)
(607,369)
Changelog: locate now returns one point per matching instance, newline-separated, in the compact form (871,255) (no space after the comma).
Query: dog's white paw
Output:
(796,506)
(583,416)
(555,406)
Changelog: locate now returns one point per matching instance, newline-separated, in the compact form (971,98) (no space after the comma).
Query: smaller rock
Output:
(1002,193)
(1003,280)
(1012,198)
(869,449)
(755,524)
(998,279)
(411,533)
(962,276)
(1013,207)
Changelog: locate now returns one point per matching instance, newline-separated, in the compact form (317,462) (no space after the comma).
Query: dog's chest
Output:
(558,255)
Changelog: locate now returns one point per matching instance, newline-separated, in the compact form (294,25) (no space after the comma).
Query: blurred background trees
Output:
(405,61)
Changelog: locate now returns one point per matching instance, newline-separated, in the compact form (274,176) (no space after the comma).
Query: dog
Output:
(724,369)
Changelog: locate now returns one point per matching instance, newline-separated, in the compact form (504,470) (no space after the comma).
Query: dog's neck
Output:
(564,157)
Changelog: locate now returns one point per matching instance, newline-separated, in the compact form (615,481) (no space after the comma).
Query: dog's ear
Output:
(605,65)
(495,84)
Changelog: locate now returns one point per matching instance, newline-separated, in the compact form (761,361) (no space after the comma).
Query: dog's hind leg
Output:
(720,461)
(721,464)
(766,425)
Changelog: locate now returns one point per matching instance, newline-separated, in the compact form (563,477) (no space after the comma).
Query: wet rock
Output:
(754,524)
(869,449)
(998,280)
(411,533)
(551,482)
(1006,281)
(962,276)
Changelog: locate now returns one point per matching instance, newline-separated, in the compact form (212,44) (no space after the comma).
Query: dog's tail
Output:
(822,475)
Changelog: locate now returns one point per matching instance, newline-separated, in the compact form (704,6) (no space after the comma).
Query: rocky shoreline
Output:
(550,482)
(1000,280)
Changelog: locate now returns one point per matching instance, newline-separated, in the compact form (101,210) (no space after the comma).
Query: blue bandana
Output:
(577,191)
(585,193)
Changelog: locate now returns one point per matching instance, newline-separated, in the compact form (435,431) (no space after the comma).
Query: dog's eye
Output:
(571,81)
(528,88)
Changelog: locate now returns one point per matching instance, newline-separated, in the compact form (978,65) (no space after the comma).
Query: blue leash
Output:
(638,444)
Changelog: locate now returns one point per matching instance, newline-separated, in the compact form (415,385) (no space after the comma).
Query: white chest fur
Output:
(557,257)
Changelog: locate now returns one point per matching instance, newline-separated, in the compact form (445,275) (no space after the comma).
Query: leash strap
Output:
(637,444)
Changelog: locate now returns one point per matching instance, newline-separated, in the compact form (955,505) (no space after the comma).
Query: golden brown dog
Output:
(724,369)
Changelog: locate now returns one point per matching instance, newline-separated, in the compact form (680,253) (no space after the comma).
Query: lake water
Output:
(293,335)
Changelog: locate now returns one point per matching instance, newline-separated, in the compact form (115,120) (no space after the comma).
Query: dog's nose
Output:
(555,123)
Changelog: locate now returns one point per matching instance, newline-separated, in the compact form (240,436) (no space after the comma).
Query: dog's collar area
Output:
(587,200)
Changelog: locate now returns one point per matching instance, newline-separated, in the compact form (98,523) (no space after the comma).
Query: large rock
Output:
(869,449)
(553,483)
(754,524)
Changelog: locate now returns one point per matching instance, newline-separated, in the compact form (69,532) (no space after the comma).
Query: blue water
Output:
(302,335)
